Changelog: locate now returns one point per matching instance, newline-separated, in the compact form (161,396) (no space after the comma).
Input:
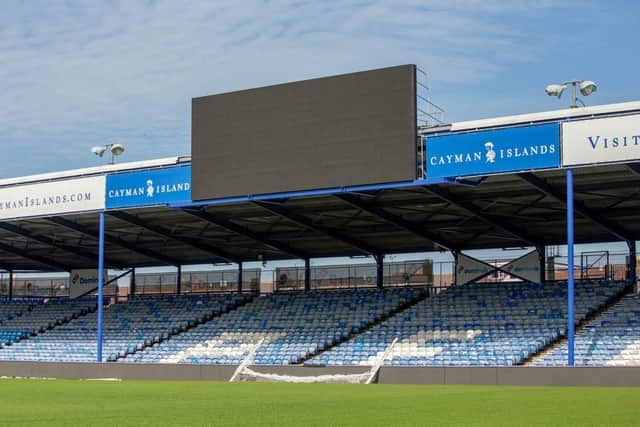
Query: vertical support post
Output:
(240,278)
(100,282)
(570,281)
(633,262)
(542,262)
(10,285)
(307,274)
(179,281)
(455,267)
(379,271)
(132,283)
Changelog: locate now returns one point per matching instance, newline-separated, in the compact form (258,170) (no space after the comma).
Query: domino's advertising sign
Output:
(82,281)
(494,151)
(148,187)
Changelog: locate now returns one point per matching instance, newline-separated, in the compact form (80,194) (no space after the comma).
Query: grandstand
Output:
(130,327)
(293,326)
(488,184)
(475,325)
(610,339)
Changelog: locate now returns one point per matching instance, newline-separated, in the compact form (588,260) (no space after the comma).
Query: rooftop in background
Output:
(544,116)
(95,170)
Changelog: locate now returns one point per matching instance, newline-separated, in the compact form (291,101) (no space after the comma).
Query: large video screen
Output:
(337,131)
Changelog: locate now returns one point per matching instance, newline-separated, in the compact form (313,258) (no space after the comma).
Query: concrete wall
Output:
(519,376)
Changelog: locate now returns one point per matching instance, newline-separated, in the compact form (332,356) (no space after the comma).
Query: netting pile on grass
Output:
(244,373)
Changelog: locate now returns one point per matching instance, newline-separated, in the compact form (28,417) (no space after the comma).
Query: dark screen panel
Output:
(343,130)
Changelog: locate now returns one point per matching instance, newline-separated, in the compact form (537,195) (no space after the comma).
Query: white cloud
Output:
(77,74)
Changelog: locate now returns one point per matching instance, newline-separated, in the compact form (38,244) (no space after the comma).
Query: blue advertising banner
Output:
(148,187)
(494,151)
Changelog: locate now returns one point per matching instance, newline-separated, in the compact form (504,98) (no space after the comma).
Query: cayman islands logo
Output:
(150,189)
(490,154)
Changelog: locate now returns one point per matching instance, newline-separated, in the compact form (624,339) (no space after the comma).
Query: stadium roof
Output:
(509,210)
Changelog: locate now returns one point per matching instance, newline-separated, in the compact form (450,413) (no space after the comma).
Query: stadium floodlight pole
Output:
(587,87)
(570,262)
(100,281)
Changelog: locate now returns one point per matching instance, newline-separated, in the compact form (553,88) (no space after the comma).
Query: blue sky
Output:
(77,74)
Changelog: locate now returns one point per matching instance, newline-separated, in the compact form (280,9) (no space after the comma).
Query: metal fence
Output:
(596,265)
(409,273)
(36,286)
(196,282)
(601,265)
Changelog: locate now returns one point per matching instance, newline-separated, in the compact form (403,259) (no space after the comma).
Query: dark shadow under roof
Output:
(511,210)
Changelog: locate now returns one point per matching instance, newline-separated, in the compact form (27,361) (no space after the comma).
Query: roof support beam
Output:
(23,232)
(280,210)
(36,258)
(470,208)
(6,267)
(157,229)
(634,167)
(579,208)
(397,221)
(238,229)
(111,239)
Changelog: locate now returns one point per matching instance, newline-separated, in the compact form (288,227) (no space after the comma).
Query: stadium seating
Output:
(611,339)
(9,310)
(12,308)
(128,327)
(293,325)
(473,325)
(479,324)
(34,317)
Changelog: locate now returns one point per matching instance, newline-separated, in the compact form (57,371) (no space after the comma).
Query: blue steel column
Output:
(240,278)
(100,282)
(570,281)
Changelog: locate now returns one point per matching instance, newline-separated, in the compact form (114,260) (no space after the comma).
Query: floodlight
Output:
(98,151)
(114,150)
(117,149)
(555,90)
(587,87)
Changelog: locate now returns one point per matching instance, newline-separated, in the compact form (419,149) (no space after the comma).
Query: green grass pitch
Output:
(80,403)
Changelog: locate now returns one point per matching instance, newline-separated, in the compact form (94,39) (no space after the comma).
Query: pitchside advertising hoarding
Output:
(148,187)
(494,151)
(52,198)
(606,140)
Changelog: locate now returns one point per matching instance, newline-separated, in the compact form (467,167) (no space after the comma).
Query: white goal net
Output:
(244,373)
